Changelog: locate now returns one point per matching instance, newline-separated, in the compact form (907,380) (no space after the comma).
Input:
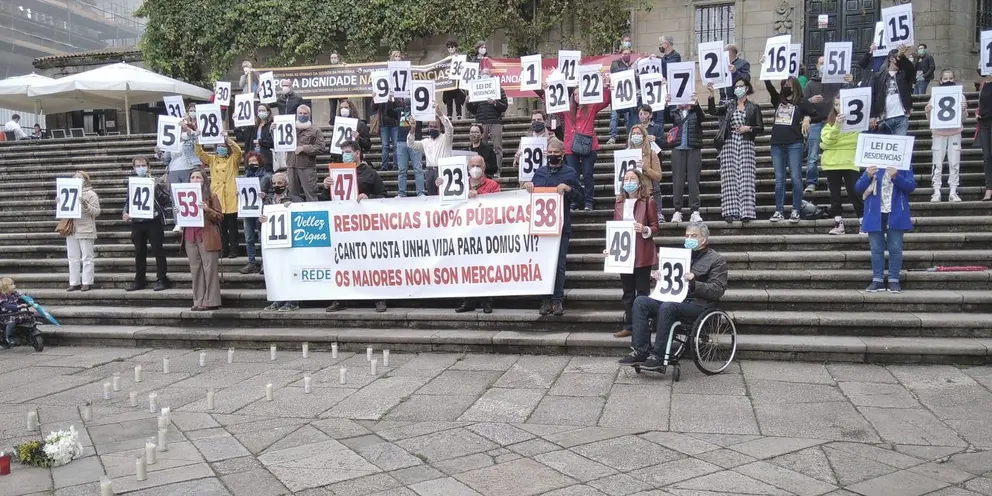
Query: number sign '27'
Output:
(673,265)
(68,191)
(546,212)
(186,199)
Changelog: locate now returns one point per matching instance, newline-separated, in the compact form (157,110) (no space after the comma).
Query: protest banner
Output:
(409,248)
(883,151)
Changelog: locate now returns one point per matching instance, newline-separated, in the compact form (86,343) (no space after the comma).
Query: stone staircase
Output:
(786,280)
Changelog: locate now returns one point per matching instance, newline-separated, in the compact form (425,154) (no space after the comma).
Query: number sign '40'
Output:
(453,172)
(673,265)
(140,197)
(68,193)
(344,182)
(186,199)
(620,247)
(284,133)
(249,197)
(276,228)
(546,212)
(624,89)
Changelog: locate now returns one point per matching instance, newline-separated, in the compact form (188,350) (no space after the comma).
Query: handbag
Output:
(581,144)
(673,137)
(66,227)
(374,124)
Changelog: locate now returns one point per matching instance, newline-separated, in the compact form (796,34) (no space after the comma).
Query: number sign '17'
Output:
(673,265)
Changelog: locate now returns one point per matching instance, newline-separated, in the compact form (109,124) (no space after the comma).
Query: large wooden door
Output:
(848,20)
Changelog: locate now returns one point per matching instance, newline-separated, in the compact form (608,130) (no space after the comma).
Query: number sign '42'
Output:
(186,199)
(673,265)
(68,193)
(620,246)
(344,182)
(546,212)
(140,197)
(249,197)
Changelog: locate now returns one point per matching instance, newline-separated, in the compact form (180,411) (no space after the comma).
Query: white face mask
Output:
(482,51)
(345,112)
(475,172)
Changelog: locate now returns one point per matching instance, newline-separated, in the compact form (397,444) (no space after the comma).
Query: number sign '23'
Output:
(673,265)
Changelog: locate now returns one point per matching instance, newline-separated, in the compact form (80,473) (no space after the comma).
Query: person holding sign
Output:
(454,99)
(792,115)
(538,129)
(649,164)
(223,165)
(479,184)
(946,142)
(892,94)
(740,121)
(490,115)
(254,168)
(202,246)
(364,136)
(624,63)
(837,162)
(635,203)
(79,244)
(261,140)
(247,83)
(822,96)
(147,233)
(434,147)
(566,180)
(477,145)
(925,67)
(406,157)
(179,164)
(302,164)
(984,132)
(279,196)
(686,138)
(739,69)
(887,218)
(707,281)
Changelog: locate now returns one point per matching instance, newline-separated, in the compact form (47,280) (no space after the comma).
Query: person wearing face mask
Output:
(892,94)
(655,133)
(666,47)
(254,167)
(246,82)
(538,129)
(407,157)
(479,184)
(624,63)
(822,96)
(707,281)
(739,69)
(301,164)
(147,233)
(79,244)
(348,109)
(481,53)
(223,165)
(839,167)
(455,99)
(566,180)
(887,218)
(181,162)
(388,115)
(288,101)
(202,246)
(925,68)
(278,196)
(649,164)
(259,140)
(946,142)
(686,139)
(792,114)
(490,115)
(740,121)
(477,145)
(435,146)
(635,203)
(334,59)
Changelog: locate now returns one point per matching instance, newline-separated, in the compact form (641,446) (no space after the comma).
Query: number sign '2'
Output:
(422,101)
(946,112)
(985,49)
(174,106)
(568,65)
(453,172)
(209,124)
(590,85)
(837,61)
(623,87)
(530,72)
(620,247)
(267,88)
(344,182)
(623,161)
(344,130)
(68,191)
(712,64)
(673,265)
(186,199)
(284,133)
(653,91)
(682,82)
(855,104)
(556,95)
(898,21)
(249,197)
(244,112)
(546,212)
(776,54)
(169,132)
(276,228)
(140,199)
(532,151)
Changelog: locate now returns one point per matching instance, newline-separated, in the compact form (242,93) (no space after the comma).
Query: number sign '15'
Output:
(673,265)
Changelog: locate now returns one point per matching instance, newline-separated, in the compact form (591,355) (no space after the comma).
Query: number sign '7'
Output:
(682,82)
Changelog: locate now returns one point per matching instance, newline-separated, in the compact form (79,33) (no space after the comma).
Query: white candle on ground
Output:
(150,452)
(32,420)
(272,352)
(344,373)
(203,359)
(133,395)
(86,412)
(210,399)
(163,442)
(268,392)
(139,469)
(106,390)
(165,412)
(117,382)
(230,355)
(334,350)
(165,365)
(306,384)
(106,488)
(306,350)
(368,354)
(137,373)
(375,364)
(385,358)
(152,402)
(162,422)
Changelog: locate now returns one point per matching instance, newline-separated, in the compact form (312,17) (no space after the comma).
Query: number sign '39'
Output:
(673,265)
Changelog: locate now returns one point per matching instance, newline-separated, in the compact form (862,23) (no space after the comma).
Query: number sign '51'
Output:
(673,265)
(546,212)
(186,199)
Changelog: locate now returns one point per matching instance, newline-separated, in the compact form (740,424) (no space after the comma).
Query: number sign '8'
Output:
(673,265)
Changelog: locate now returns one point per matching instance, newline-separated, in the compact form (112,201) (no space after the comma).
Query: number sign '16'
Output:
(776,55)
(673,265)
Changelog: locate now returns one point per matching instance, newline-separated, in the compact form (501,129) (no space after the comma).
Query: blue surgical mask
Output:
(636,139)
(303,118)
(630,186)
(740,91)
(222,151)
(141,171)
(691,243)
(348,157)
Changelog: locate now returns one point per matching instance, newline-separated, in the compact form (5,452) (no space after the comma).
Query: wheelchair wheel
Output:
(714,341)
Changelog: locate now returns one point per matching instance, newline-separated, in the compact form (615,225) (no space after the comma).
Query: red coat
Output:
(645,213)
(583,122)
(487,186)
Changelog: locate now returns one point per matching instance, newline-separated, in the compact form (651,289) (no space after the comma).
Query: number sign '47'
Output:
(620,247)
(344,182)
(68,193)
(546,212)
(673,265)
(186,199)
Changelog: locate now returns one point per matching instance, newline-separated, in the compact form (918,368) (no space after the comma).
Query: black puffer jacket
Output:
(487,113)
(691,123)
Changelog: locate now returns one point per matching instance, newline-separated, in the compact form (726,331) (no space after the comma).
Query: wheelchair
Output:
(712,341)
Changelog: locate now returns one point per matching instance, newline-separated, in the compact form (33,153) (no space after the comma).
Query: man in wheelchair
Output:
(707,280)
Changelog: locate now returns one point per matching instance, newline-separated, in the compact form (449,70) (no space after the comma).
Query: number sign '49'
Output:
(546,212)
(620,246)
(673,265)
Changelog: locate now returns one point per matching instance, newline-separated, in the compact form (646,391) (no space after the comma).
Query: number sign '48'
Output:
(673,265)
(344,182)
(276,228)
(620,247)
(284,133)
(186,198)
(546,212)
(249,197)
(68,193)
(140,197)
(453,172)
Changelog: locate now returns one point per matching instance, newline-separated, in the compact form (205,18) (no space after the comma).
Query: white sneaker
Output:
(677,217)
(954,197)
(777,216)
(695,217)
(177,229)
(936,197)
(838,228)
(794,217)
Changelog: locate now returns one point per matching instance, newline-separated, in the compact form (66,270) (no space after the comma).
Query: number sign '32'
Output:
(209,124)
(284,133)
(249,196)
(140,197)
(620,247)
(546,212)
(673,265)
(68,192)
(453,172)
(556,95)
(186,198)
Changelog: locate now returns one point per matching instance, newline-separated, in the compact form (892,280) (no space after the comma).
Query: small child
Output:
(946,142)
(837,163)
(10,304)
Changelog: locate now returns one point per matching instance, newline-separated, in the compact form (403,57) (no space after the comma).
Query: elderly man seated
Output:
(707,280)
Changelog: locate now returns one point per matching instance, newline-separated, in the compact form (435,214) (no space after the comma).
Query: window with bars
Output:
(716,23)
(983,18)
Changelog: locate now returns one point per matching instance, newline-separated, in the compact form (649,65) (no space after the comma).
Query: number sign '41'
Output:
(186,198)
(344,182)
(249,197)
(546,212)
(276,228)
(140,197)
(620,246)
(776,54)
(284,133)
(68,193)
(673,265)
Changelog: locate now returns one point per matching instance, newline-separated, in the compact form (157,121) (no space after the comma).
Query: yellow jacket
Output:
(837,150)
(223,171)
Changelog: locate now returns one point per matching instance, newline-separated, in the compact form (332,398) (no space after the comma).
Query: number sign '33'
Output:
(673,265)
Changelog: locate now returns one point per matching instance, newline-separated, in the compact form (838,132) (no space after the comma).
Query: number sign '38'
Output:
(673,265)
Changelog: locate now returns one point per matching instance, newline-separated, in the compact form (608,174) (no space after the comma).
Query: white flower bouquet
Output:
(59,448)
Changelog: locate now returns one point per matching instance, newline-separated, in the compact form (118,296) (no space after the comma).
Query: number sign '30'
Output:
(673,265)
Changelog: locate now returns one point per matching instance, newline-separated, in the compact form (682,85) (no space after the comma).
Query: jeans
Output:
(404,157)
(920,88)
(665,315)
(896,126)
(389,136)
(252,227)
(559,293)
(584,166)
(880,240)
(790,156)
(813,155)
(629,119)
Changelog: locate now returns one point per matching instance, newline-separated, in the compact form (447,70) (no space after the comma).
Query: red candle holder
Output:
(5,465)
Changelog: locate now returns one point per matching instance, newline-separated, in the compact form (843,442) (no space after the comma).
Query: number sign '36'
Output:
(186,199)
(546,212)
(620,247)
(68,192)
(140,197)
(673,265)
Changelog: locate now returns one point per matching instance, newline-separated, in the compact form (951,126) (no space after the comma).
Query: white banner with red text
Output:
(399,248)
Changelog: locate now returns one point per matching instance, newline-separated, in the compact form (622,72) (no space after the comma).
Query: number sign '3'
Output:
(284,133)
(68,191)
(140,197)
(546,212)
(453,172)
(209,124)
(673,265)
(276,228)
(855,104)
(620,247)
(186,200)
(249,197)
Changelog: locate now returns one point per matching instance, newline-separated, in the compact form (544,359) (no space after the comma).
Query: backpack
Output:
(811,211)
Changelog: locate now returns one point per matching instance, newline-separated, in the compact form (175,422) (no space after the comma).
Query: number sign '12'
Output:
(249,196)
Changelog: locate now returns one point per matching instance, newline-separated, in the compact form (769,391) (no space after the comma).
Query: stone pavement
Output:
(501,425)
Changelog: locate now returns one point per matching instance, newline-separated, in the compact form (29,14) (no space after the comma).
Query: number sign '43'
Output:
(673,265)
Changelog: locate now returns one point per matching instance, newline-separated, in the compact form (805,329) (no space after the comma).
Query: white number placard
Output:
(713,64)
(344,130)
(68,191)
(380,86)
(249,197)
(400,77)
(673,265)
(620,247)
(795,57)
(344,182)
(186,199)
(531,72)
(169,132)
(471,71)
(590,85)
(243,110)
(174,105)
(985,49)
(836,61)
(855,105)
(556,95)
(222,93)
(776,54)
(276,228)
(422,101)
(546,212)
(623,161)
(453,172)
(210,125)
(883,151)
(483,89)
(623,86)
(457,67)
(898,22)
(682,82)
(653,91)
(568,65)
(946,112)
(284,133)
(141,197)
(881,47)
(267,88)
(532,151)
(648,65)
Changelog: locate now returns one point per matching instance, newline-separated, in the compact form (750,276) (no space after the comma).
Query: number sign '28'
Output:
(249,197)
(209,124)
(284,133)
(67,197)
(276,228)
(140,199)
(344,182)
(776,54)
(620,246)
(532,151)
(673,265)
(453,172)
(546,212)
(186,200)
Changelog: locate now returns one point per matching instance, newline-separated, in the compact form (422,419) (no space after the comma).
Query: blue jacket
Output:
(903,184)
(548,177)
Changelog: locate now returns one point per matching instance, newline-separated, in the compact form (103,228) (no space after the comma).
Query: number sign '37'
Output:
(620,246)
(673,265)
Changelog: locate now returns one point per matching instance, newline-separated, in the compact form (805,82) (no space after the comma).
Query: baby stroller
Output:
(26,320)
